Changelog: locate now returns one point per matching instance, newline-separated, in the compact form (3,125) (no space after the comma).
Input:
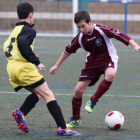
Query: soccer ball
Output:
(114,120)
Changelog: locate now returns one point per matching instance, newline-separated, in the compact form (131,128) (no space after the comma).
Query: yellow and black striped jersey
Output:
(20,44)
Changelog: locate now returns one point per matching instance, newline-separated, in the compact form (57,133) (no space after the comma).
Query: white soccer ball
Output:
(114,120)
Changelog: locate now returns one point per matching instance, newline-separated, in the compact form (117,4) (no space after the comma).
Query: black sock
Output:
(56,113)
(29,103)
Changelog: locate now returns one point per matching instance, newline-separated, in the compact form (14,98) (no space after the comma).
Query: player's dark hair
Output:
(82,15)
(24,9)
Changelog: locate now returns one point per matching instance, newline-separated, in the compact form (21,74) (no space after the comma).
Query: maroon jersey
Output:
(98,44)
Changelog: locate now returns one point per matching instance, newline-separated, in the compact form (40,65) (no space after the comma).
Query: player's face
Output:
(85,28)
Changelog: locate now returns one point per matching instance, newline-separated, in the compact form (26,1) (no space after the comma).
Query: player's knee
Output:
(110,73)
(110,76)
(39,97)
(79,91)
(33,98)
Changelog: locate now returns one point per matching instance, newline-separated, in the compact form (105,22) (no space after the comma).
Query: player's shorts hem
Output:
(85,78)
(40,82)
(18,88)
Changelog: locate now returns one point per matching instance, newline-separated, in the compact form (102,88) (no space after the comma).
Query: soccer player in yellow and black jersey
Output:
(23,73)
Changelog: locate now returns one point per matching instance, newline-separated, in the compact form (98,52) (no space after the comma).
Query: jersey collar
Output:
(24,23)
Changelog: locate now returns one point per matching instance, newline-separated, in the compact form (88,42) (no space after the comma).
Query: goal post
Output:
(75,9)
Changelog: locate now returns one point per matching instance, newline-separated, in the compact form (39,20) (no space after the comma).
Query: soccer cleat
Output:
(21,120)
(67,132)
(73,122)
(90,105)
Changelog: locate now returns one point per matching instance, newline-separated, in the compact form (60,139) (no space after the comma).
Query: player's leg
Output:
(77,102)
(28,104)
(105,84)
(102,88)
(54,109)
(22,75)
(30,78)
(110,74)
(44,91)
(12,69)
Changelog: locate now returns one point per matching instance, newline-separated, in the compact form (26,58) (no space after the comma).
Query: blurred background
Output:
(55,17)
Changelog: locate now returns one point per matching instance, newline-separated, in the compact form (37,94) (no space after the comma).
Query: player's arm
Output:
(70,48)
(58,63)
(115,33)
(134,44)
(24,40)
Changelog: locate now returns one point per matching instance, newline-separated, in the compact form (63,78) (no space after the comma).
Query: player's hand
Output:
(37,55)
(52,70)
(41,67)
(137,48)
(135,45)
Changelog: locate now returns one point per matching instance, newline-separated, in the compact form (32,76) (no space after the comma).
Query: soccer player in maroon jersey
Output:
(102,58)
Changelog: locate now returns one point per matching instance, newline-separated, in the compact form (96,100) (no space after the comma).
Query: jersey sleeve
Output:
(73,46)
(115,33)
(24,40)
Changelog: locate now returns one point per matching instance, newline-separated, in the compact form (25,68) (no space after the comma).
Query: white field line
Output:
(129,96)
